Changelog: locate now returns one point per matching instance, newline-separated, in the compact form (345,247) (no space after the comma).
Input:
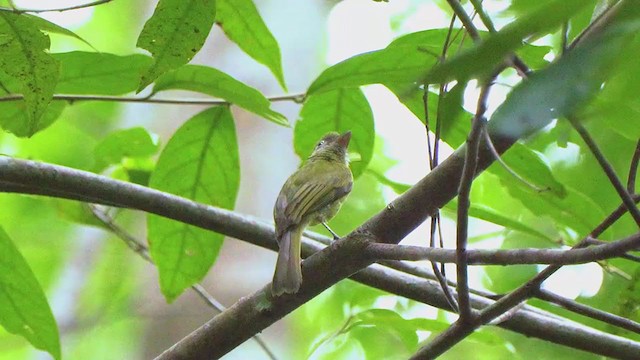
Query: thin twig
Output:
(465,19)
(607,168)
(633,170)
(143,251)
(75,7)
(484,17)
(501,161)
(588,311)
(464,191)
(439,274)
(297,98)
(514,61)
(433,162)
(564,36)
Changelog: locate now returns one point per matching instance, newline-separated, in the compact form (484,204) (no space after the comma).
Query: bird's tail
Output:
(288,275)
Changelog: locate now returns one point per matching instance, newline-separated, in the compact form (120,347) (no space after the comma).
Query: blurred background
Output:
(106,300)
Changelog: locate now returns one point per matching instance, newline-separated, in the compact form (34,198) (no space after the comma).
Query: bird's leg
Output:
(335,236)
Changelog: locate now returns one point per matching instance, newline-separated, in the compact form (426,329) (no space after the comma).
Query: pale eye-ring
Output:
(320,144)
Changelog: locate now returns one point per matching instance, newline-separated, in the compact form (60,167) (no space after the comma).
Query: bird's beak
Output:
(343,139)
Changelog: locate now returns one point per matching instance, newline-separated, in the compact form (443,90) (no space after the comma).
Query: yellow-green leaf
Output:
(242,23)
(174,34)
(215,83)
(24,59)
(201,163)
(23,306)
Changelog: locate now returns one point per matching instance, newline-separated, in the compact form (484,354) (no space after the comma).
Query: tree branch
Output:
(607,168)
(633,170)
(297,98)
(379,252)
(590,312)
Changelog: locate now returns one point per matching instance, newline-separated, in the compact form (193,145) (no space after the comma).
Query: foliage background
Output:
(107,302)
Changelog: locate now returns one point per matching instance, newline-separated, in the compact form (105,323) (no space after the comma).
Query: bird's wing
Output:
(308,197)
(312,196)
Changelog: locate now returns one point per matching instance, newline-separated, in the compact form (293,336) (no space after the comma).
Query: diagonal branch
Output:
(633,170)
(578,308)
(607,168)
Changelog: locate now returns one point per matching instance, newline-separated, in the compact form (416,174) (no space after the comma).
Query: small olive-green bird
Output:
(312,195)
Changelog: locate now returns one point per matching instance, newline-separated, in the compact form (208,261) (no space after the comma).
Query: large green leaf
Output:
(482,59)
(99,73)
(23,306)
(338,110)
(174,34)
(242,23)
(200,162)
(562,88)
(215,83)
(24,59)
(403,62)
(398,64)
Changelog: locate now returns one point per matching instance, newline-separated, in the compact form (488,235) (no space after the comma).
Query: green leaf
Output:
(486,213)
(562,87)
(134,142)
(338,110)
(532,166)
(397,64)
(618,102)
(242,23)
(533,56)
(138,170)
(77,212)
(215,83)
(48,26)
(398,188)
(482,59)
(23,58)
(14,116)
(99,73)
(174,34)
(201,163)
(23,306)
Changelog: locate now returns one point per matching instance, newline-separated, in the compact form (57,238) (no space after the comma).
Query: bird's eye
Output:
(320,144)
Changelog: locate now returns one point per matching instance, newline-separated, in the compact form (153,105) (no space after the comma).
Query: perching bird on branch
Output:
(312,195)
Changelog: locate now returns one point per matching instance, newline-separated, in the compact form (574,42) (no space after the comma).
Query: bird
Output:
(311,195)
